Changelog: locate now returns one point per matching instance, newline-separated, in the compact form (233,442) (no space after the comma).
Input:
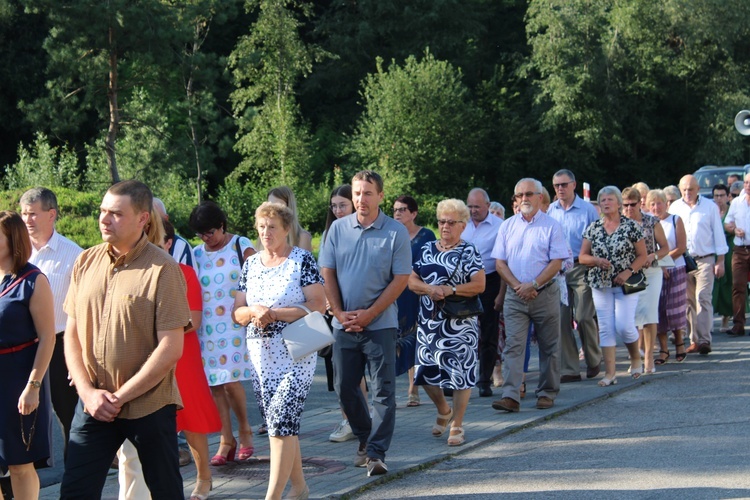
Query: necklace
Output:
(448,247)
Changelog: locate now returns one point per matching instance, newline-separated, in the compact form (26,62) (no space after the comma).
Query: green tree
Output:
(97,56)
(419,128)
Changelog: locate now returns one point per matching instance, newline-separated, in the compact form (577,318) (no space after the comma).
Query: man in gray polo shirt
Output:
(366,263)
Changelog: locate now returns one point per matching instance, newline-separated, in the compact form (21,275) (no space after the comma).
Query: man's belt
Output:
(546,285)
(698,257)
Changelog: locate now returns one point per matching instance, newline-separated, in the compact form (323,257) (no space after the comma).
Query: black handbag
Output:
(636,283)
(455,306)
(690,263)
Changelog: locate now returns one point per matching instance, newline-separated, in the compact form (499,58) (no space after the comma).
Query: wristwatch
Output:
(631,270)
(454,289)
(535,284)
(35,384)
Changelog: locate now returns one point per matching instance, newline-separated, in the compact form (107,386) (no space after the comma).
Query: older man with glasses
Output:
(530,249)
(574,215)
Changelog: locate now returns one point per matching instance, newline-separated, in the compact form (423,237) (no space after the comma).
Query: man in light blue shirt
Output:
(574,215)
(366,263)
(530,249)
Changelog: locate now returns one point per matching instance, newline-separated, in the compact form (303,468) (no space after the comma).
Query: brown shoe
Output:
(593,371)
(544,403)
(185,458)
(507,404)
(704,349)
(692,349)
(737,331)
(570,378)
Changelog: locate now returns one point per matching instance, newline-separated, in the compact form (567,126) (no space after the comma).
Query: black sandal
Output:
(660,360)
(680,356)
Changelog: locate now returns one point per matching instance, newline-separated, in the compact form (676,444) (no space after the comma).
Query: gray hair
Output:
(497,206)
(483,192)
(672,191)
(43,195)
(159,207)
(537,185)
(565,171)
(655,193)
(607,190)
(737,185)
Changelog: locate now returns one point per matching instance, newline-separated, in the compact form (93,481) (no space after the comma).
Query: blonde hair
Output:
(453,206)
(295,229)
(155,228)
(655,193)
(270,210)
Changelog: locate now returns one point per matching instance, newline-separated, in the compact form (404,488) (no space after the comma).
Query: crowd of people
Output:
(151,338)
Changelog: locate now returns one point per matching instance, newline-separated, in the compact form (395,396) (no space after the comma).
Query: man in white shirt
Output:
(54,255)
(737,221)
(481,231)
(707,244)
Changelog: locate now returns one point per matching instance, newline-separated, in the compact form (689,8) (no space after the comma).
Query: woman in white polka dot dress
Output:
(272,283)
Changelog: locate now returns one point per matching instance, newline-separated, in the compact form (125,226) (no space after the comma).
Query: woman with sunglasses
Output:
(647,311)
(447,346)
(223,348)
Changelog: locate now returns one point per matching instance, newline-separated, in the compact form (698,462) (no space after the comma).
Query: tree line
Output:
(224,99)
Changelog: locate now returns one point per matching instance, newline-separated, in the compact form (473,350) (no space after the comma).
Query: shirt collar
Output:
(52,243)
(132,254)
(377,224)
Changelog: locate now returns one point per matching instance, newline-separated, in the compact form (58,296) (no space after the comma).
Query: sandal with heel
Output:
(220,459)
(437,429)
(456,439)
(196,494)
(245,452)
(680,356)
(660,360)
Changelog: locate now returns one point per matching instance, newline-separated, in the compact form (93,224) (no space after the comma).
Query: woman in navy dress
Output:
(27,339)
(405,210)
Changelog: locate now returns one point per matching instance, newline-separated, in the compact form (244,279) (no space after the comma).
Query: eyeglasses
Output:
(527,194)
(400,210)
(561,185)
(207,234)
(449,223)
(734,195)
(628,205)
(340,206)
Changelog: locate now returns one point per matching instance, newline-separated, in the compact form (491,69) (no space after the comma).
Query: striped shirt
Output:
(55,259)
(119,304)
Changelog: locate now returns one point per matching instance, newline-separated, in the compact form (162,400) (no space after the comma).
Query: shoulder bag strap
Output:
(458,264)
(240,253)
(18,280)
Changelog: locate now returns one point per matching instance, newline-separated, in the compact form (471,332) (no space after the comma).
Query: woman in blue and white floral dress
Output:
(272,283)
(447,347)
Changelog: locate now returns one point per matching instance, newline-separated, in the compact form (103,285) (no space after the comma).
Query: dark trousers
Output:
(488,330)
(375,349)
(64,396)
(740,268)
(93,445)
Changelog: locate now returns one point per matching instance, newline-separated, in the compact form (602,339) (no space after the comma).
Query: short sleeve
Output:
(401,252)
(245,243)
(172,309)
(473,263)
(589,232)
(636,233)
(242,282)
(195,301)
(310,274)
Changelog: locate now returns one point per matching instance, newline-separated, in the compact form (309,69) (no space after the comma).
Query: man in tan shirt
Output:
(126,311)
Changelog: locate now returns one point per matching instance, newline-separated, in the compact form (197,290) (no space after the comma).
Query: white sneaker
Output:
(342,432)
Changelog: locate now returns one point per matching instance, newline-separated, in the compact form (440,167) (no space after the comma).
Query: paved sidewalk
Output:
(328,466)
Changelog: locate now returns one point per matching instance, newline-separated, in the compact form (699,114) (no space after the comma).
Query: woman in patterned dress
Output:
(647,311)
(673,298)
(272,283)
(447,347)
(614,250)
(223,347)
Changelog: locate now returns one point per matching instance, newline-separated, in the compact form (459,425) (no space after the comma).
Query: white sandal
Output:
(456,439)
(437,429)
